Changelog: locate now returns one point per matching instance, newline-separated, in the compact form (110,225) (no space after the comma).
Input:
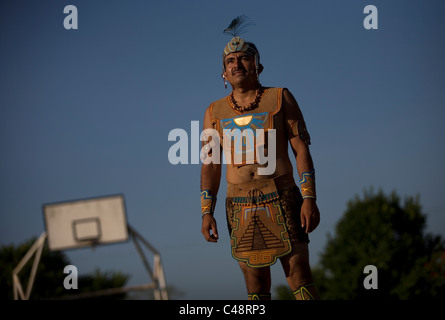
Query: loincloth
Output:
(263,219)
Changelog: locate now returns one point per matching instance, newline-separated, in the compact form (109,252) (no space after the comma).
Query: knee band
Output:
(259,296)
(304,292)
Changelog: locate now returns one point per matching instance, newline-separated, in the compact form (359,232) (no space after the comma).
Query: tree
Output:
(283,292)
(49,278)
(377,230)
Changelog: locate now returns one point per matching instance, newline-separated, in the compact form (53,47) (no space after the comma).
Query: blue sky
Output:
(87,112)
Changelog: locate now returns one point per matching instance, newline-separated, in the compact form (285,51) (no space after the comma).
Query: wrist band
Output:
(208,203)
(307,185)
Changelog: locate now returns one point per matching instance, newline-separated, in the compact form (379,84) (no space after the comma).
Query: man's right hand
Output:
(209,229)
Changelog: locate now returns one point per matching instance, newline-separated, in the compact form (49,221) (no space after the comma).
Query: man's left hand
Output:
(310,215)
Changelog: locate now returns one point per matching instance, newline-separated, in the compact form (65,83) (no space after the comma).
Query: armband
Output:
(307,185)
(208,203)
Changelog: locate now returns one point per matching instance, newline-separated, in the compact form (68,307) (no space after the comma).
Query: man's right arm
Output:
(210,180)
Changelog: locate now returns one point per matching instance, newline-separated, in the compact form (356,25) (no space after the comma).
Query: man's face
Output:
(239,68)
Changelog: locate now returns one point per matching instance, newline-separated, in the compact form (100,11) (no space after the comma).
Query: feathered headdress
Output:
(237,27)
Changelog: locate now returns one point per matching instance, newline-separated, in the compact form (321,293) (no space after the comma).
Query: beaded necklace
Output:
(251,105)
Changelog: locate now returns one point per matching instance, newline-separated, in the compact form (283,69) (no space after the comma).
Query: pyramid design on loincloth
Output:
(258,237)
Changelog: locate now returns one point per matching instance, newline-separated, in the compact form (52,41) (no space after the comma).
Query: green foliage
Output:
(48,283)
(99,280)
(377,230)
(283,292)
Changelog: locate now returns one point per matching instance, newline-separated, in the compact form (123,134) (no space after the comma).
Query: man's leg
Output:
(258,282)
(298,272)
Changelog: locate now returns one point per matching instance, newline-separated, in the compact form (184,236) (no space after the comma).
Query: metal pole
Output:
(160,291)
(17,287)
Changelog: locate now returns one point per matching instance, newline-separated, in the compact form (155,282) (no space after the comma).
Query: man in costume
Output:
(268,216)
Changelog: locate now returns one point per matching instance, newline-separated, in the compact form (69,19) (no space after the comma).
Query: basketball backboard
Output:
(86,222)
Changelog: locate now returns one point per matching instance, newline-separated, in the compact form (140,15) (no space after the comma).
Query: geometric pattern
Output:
(243,132)
(259,235)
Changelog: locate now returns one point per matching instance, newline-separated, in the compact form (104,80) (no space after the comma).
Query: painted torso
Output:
(242,145)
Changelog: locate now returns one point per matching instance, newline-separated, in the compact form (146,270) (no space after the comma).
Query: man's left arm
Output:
(300,140)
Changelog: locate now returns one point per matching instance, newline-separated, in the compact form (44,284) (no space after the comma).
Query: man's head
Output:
(241,66)
(240,57)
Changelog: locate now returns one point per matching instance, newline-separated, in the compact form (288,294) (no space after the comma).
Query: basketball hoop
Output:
(90,223)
